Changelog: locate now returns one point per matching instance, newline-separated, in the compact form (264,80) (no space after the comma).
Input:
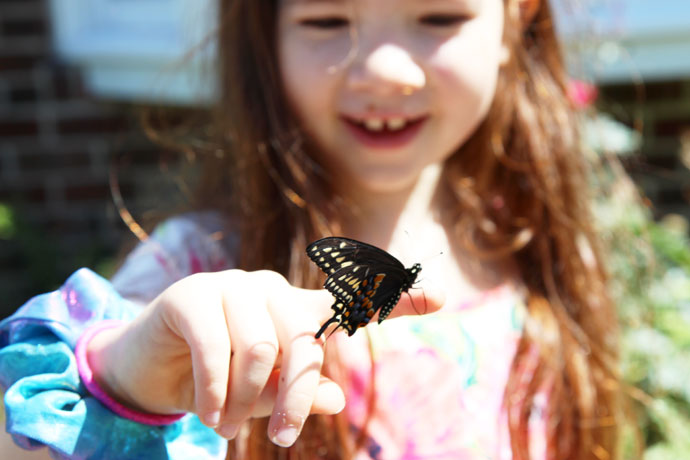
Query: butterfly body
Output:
(363,279)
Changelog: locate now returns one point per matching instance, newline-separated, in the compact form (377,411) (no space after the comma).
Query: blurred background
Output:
(76,75)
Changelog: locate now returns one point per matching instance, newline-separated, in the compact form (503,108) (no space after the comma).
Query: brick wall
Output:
(57,146)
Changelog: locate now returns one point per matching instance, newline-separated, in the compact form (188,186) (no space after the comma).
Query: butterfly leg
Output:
(338,309)
(325,325)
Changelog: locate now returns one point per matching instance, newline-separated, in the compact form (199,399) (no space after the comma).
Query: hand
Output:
(229,346)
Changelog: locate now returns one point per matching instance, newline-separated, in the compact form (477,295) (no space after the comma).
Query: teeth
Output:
(378,124)
(396,124)
(373,124)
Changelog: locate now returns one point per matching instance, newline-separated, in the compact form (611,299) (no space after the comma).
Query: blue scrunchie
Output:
(46,403)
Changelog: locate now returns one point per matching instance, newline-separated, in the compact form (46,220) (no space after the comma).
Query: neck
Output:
(379,218)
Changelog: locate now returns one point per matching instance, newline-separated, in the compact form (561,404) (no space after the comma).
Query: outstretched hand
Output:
(230,346)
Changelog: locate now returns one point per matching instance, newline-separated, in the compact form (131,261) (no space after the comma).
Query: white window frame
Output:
(139,49)
(147,50)
(622,40)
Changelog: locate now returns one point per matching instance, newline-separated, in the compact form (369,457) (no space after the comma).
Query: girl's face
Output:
(385,88)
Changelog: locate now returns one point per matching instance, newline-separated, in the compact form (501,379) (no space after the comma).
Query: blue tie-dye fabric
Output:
(45,402)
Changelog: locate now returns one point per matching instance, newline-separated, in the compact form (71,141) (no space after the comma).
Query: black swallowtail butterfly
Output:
(363,279)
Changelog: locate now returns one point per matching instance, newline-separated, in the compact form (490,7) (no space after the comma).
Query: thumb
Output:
(422,298)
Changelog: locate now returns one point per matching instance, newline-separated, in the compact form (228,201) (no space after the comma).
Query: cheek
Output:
(466,73)
(291,72)
(306,81)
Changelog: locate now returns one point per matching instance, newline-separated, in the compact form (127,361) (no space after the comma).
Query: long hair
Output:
(519,193)
(521,184)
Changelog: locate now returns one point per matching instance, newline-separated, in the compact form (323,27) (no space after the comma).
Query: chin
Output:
(386,182)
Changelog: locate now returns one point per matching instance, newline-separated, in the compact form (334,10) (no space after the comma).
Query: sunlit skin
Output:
(431,60)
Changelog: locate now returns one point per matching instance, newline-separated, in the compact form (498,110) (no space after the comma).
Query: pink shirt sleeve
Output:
(178,247)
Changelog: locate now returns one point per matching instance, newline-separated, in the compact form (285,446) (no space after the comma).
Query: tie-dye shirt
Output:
(440,378)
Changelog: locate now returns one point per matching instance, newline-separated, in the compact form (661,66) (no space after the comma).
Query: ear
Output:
(526,9)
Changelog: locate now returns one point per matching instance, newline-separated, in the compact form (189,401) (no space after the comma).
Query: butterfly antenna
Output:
(440,253)
(409,237)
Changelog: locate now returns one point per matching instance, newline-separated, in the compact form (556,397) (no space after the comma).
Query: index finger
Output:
(423,298)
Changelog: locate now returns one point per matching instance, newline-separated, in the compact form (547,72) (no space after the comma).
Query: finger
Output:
(302,359)
(209,344)
(317,302)
(329,398)
(255,349)
(299,379)
(424,297)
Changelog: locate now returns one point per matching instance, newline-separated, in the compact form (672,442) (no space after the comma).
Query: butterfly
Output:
(363,279)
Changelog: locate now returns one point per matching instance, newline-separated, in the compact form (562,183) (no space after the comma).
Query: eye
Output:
(443,20)
(325,23)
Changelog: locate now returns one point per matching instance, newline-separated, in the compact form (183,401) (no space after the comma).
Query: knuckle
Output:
(215,394)
(254,374)
(197,280)
(271,277)
(299,399)
(262,353)
(210,399)
(182,290)
(244,396)
(243,401)
(209,280)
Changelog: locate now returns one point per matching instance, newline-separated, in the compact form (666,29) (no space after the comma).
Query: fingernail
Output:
(286,436)
(211,419)
(285,428)
(228,430)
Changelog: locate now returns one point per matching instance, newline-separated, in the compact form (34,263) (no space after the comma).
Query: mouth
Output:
(384,132)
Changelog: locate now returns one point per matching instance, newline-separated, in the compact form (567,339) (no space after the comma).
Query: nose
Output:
(386,70)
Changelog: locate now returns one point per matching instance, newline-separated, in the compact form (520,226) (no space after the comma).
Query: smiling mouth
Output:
(385,132)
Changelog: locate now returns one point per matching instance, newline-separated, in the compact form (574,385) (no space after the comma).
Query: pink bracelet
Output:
(86,374)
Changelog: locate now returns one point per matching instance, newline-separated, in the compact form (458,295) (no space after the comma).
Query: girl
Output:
(423,127)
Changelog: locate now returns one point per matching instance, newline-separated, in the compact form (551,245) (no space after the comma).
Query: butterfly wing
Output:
(334,253)
(363,279)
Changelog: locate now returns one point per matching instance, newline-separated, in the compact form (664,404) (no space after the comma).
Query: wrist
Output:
(98,353)
(102,355)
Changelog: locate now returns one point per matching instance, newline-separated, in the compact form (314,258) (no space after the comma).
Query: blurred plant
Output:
(7,225)
(37,256)
(650,266)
